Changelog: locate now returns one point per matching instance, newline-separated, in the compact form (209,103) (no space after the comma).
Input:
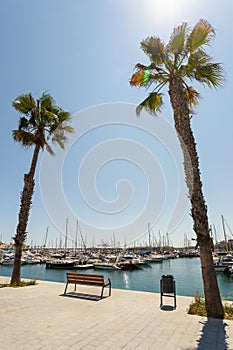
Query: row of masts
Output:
(163,241)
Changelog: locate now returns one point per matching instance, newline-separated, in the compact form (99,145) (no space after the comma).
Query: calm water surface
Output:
(187,274)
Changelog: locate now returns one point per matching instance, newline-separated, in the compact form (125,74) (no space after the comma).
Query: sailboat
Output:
(61,263)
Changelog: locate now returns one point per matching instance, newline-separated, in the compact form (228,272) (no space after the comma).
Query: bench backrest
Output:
(82,278)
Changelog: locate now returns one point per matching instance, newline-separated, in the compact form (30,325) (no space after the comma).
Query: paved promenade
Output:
(41,317)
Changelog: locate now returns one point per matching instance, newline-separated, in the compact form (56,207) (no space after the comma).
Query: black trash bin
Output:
(167,288)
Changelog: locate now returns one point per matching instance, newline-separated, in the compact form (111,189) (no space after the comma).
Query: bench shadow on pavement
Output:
(92,297)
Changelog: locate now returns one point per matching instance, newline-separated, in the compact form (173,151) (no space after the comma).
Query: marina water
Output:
(186,271)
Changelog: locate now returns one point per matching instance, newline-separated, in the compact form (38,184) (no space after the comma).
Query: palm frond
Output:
(49,149)
(47,101)
(140,78)
(69,129)
(177,40)
(27,139)
(60,139)
(154,48)
(58,134)
(23,123)
(140,66)
(152,104)
(211,74)
(195,59)
(192,97)
(24,103)
(48,115)
(199,57)
(202,34)
(64,116)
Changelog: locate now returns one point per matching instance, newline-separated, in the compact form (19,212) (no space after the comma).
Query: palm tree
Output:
(42,120)
(175,64)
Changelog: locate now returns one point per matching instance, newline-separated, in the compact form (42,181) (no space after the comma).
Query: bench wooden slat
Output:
(84,274)
(89,283)
(71,278)
(82,278)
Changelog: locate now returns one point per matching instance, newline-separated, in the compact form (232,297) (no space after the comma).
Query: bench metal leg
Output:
(161,294)
(66,287)
(109,293)
(110,288)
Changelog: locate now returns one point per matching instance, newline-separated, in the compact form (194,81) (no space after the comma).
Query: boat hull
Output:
(60,264)
(106,266)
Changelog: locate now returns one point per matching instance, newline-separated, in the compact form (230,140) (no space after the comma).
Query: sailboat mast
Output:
(224,231)
(66,234)
(46,238)
(76,239)
(84,245)
(149,234)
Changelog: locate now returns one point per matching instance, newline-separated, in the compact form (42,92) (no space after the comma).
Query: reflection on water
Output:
(187,274)
(126,280)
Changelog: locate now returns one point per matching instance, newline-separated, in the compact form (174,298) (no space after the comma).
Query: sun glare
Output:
(166,11)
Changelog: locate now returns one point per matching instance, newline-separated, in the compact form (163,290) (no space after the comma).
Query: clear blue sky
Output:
(83,53)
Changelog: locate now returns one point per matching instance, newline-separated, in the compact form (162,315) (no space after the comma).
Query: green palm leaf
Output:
(211,74)
(177,39)
(154,48)
(192,97)
(201,34)
(69,129)
(27,139)
(47,101)
(197,58)
(64,116)
(152,104)
(24,103)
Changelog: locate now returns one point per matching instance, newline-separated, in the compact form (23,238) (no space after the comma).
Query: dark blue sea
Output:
(186,271)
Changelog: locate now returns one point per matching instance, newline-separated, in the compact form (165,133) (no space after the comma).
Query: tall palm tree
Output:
(41,121)
(175,64)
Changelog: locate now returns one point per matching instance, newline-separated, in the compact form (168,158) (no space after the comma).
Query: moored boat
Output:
(219,267)
(128,265)
(156,258)
(106,266)
(9,260)
(60,264)
(84,266)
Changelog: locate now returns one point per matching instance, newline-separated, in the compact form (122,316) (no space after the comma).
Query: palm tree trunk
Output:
(26,201)
(213,302)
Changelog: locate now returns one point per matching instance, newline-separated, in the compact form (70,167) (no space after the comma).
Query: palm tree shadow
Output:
(213,335)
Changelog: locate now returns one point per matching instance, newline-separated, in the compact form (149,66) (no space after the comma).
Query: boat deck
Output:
(127,320)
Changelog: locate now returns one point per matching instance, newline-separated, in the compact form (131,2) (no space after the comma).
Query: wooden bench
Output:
(87,279)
